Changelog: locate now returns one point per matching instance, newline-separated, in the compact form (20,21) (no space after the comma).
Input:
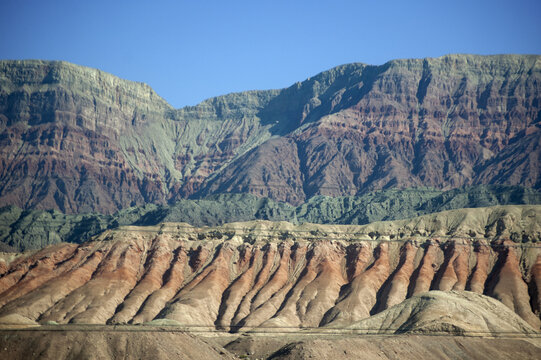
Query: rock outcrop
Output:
(278,276)
(25,230)
(80,140)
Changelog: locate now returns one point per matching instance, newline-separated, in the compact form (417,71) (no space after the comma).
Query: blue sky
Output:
(192,50)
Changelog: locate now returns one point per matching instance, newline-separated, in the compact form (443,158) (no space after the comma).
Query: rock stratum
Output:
(277,276)
(22,230)
(79,140)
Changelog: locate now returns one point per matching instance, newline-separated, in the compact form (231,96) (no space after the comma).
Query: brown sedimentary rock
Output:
(237,291)
(82,137)
(509,287)
(198,304)
(480,271)
(321,293)
(278,279)
(454,270)
(19,269)
(314,292)
(359,299)
(37,302)
(462,266)
(96,301)
(160,257)
(262,278)
(134,276)
(426,271)
(197,259)
(289,317)
(357,258)
(428,113)
(398,288)
(448,276)
(13,276)
(45,269)
(172,284)
(271,296)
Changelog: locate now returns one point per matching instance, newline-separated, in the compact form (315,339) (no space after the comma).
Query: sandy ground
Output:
(141,342)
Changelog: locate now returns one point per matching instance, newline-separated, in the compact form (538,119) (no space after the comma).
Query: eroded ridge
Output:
(245,276)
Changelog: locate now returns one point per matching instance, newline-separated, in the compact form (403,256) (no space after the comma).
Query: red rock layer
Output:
(357,301)
(152,280)
(425,273)
(239,286)
(480,272)
(79,140)
(398,287)
(509,287)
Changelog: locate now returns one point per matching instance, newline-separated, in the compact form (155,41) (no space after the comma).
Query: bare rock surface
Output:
(406,347)
(277,276)
(81,140)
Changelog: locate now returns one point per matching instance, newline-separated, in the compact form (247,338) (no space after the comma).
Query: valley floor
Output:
(144,342)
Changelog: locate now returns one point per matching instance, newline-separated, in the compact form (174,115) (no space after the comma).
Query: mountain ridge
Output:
(83,140)
(22,230)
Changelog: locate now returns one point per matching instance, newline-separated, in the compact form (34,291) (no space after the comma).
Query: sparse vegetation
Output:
(31,229)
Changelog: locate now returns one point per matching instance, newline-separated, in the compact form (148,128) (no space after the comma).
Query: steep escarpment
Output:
(446,122)
(276,275)
(79,140)
(67,135)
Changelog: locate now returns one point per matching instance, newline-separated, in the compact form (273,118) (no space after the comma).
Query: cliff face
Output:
(77,139)
(63,142)
(444,122)
(277,275)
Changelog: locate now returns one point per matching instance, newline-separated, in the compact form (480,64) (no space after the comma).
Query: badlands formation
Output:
(317,290)
(86,155)
(264,275)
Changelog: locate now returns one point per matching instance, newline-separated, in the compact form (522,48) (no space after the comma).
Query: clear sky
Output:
(192,50)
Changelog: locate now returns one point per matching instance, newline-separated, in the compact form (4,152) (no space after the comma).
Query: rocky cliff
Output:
(265,275)
(80,140)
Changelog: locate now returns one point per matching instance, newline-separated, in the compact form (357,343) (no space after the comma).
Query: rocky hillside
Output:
(80,140)
(275,275)
(22,230)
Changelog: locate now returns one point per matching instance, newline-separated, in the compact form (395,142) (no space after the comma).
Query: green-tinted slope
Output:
(21,230)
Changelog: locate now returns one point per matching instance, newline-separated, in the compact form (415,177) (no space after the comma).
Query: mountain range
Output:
(403,199)
(79,140)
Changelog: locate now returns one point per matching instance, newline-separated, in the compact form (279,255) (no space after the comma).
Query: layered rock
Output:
(24,230)
(265,275)
(79,140)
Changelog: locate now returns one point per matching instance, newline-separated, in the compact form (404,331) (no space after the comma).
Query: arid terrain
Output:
(79,342)
(451,273)
(80,140)
(380,212)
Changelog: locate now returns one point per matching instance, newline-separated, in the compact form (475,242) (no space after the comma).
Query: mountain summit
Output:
(79,140)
